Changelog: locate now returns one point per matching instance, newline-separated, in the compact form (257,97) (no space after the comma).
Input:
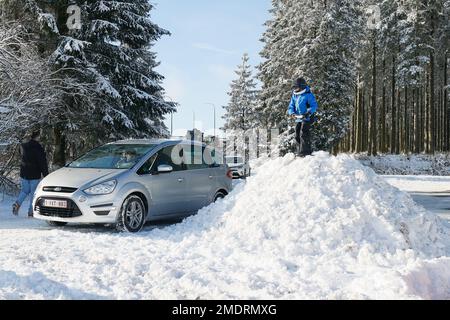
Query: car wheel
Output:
(132,215)
(219,195)
(56,223)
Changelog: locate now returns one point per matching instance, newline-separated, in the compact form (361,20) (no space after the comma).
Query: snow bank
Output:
(436,165)
(318,228)
(420,184)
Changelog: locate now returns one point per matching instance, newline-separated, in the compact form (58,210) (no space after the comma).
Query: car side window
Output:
(194,158)
(211,158)
(146,168)
(165,158)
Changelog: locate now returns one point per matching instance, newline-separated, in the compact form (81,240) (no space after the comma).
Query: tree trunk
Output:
(406,122)
(383,113)
(439,121)
(422,120)
(365,126)
(446,107)
(359,124)
(59,156)
(427,115)
(393,110)
(432,107)
(398,116)
(416,121)
(373,115)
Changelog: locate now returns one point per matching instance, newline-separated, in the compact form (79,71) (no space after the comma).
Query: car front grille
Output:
(60,189)
(71,211)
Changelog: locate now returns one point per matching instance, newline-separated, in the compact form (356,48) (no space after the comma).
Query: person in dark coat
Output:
(33,168)
(303,108)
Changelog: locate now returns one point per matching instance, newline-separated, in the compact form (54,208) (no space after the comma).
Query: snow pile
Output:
(437,165)
(319,228)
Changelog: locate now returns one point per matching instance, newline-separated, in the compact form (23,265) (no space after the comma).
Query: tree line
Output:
(402,94)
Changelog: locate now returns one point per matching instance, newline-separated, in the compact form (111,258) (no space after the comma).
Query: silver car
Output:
(127,183)
(239,168)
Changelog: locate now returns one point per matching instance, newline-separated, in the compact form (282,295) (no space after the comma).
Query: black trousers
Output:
(303,138)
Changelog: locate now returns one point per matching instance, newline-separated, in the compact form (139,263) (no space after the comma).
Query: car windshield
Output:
(233,160)
(113,156)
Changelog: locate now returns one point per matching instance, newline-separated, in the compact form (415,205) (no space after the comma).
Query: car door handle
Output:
(180,180)
(211,177)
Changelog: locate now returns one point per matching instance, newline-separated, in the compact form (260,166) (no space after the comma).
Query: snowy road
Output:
(438,203)
(431,192)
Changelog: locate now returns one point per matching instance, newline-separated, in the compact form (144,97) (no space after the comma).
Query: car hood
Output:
(77,177)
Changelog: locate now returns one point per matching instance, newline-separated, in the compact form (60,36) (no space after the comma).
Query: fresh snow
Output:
(435,165)
(420,184)
(321,228)
(48,20)
(74,45)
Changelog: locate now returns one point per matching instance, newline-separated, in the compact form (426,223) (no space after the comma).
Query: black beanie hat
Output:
(300,83)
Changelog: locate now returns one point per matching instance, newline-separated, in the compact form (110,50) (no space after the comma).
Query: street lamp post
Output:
(214,106)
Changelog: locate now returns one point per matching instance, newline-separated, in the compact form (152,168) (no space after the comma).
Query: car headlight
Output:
(102,188)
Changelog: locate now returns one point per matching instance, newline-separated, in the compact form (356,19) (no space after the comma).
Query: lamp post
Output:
(214,106)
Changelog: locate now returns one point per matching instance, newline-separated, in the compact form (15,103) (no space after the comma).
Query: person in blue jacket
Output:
(303,108)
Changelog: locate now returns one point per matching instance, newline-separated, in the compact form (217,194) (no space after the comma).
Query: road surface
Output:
(431,192)
(437,203)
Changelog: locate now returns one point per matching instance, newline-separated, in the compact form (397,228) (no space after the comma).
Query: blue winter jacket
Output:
(302,103)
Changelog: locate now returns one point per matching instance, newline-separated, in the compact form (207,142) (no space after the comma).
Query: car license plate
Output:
(55,203)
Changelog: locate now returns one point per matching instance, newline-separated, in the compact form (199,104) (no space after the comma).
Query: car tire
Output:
(219,195)
(56,223)
(132,215)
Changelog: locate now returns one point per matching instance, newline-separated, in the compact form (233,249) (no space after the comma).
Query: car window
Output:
(213,158)
(113,156)
(164,157)
(194,158)
(145,169)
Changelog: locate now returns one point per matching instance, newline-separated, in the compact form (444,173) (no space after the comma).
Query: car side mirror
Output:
(164,168)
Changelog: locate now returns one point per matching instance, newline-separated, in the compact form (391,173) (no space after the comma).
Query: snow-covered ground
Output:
(420,184)
(320,228)
(422,164)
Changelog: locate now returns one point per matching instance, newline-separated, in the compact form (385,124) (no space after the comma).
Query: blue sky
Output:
(198,60)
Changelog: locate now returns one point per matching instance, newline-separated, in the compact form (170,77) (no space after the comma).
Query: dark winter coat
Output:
(34,162)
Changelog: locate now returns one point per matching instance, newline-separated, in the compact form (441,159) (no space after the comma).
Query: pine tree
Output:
(330,64)
(125,76)
(275,73)
(240,111)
